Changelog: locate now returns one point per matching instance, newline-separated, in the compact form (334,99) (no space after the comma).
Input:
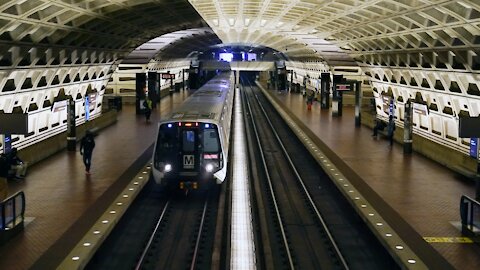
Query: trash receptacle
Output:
(115,102)
(118,102)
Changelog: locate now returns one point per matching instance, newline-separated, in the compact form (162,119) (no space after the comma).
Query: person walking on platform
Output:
(147,104)
(379,125)
(391,129)
(86,149)
(310,95)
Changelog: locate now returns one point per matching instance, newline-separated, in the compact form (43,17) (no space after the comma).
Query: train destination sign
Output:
(168,76)
(343,87)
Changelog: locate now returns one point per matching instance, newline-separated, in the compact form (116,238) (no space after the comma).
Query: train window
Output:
(167,138)
(188,138)
(166,141)
(210,140)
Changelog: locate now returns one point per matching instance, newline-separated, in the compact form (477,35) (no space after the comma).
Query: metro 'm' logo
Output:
(188,161)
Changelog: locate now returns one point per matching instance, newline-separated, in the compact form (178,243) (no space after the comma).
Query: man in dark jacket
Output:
(86,149)
(391,129)
(17,167)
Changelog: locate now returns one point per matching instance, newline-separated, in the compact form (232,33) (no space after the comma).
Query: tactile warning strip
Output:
(86,248)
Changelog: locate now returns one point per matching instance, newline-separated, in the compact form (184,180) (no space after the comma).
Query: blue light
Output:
(169,125)
(207,125)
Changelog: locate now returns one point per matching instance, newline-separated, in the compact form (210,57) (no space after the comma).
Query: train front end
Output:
(188,155)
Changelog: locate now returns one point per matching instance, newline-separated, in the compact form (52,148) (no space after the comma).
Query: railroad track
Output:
(170,245)
(293,195)
(180,234)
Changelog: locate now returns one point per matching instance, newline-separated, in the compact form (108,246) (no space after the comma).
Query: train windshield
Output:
(210,140)
(174,138)
(188,140)
(167,139)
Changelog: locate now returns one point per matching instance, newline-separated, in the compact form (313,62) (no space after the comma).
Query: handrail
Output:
(12,211)
(470,214)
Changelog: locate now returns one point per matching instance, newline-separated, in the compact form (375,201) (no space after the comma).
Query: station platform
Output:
(62,202)
(420,195)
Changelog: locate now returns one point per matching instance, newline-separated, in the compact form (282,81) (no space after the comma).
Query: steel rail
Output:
(144,253)
(277,211)
(197,243)
(299,178)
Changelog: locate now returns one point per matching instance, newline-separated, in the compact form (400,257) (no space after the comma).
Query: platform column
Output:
(140,87)
(237,77)
(153,88)
(183,79)
(407,128)
(291,80)
(325,91)
(358,103)
(71,125)
(337,96)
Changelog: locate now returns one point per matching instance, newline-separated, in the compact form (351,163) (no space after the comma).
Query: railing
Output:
(12,211)
(470,214)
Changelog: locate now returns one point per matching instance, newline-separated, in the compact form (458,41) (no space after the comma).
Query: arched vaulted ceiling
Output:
(367,29)
(112,25)
(176,45)
(370,30)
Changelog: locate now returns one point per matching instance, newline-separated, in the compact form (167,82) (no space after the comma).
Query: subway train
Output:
(192,143)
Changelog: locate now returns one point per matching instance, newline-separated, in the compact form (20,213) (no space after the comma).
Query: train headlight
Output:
(209,167)
(167,167)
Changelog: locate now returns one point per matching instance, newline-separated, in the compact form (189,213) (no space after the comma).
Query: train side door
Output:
(190,157)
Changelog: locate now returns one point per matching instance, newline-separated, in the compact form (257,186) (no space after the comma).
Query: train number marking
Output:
(188,161)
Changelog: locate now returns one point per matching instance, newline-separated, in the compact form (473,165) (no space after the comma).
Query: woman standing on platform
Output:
(86,149)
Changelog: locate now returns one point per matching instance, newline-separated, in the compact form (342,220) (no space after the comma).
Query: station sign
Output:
(386,104)
(343,87)
(168,76)
(474,147)
(59,106)
(90,101)
(7,143)
(391,107)
(421,109)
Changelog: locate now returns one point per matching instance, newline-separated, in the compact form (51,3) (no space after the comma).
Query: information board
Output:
(343,87)
(168,76)
(474,147)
